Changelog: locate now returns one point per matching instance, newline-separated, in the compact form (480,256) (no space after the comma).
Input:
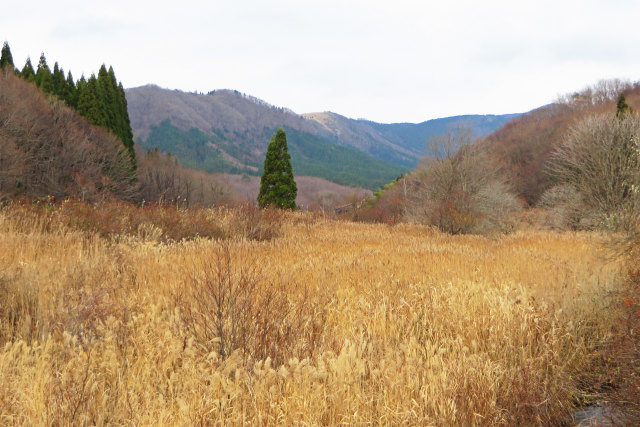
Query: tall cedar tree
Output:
(44,79)
(90,104)
(277,186)
(6,59)
(28,73)
(72,92)
(59,84)
(127,132)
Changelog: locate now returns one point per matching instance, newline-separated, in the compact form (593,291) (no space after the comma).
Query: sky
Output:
(387,61)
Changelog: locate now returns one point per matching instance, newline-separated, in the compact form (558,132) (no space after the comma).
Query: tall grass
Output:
(325,322)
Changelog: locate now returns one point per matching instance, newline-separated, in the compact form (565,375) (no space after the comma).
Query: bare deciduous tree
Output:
(459,190)
(162,179)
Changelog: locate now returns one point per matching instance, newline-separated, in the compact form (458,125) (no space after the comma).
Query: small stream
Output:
(599,414)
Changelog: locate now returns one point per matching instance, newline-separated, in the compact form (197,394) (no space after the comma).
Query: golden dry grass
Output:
(356,323)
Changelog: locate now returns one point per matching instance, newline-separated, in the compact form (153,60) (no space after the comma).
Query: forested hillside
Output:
(576,160)
(48,149)
(62,138)
(228,131)
(101,100)
(404,143)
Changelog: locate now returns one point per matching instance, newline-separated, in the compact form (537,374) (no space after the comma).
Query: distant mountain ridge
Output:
(227,131)
(410,139)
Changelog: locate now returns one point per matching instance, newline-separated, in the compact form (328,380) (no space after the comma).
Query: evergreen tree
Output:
(44,79)
(89,102)
(277,186)
(58,82)
(28,72)
(127,132)
(6,59)
(622,108)
(107,91)
(71,95)
(114,103)
(81,85)
(101,100)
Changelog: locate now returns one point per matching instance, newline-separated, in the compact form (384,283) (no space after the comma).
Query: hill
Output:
(48,150)
(403,143)
(226,131)
(522,148)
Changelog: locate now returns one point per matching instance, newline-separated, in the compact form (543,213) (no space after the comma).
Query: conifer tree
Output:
(127,132)
(89,102)
(81,85)
(58,82)
(28,72)
(6,59)
(277,186)
(622,107)
(71,96)
(101,100)
(43,75)
(113,102)
(107,93)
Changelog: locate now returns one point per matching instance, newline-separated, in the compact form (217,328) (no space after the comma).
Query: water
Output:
(599,414)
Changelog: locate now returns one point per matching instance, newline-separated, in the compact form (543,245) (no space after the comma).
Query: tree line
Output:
(100,99)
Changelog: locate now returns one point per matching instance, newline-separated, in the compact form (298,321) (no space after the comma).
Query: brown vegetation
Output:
(331,322)
(597,171)
(523,147)
(166,312)
(314,193)
(151,222)
(460,191)
(162,179)
(47,149)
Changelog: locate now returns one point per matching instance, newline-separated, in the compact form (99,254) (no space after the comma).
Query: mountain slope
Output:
(310,154)
(523,147)
(48,150)
(402,143)
(226,131)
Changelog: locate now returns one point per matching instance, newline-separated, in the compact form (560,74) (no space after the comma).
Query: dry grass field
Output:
(324,322)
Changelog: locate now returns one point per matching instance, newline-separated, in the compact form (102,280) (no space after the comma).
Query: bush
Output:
(460,192)
(226,306)
(153,222)
(597,172)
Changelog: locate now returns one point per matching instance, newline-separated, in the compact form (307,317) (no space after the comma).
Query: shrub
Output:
(153,222)
(226,305)
(460,192)
(598,169)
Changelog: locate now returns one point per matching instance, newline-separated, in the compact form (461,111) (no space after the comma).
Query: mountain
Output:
(227,131)
(402,143)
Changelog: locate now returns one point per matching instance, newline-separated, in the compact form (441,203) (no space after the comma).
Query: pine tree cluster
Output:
(101,100)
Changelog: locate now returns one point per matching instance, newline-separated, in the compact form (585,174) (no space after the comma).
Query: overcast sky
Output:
(387,61)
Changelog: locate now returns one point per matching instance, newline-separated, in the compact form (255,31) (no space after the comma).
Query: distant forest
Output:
(310,155)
